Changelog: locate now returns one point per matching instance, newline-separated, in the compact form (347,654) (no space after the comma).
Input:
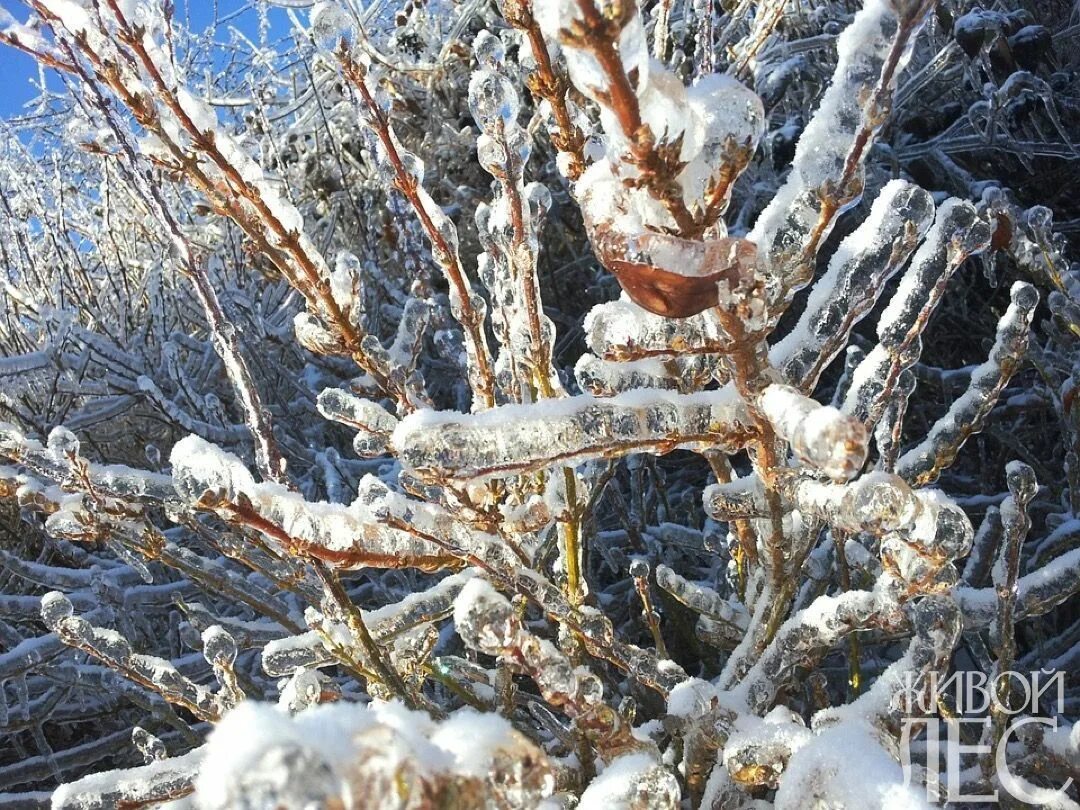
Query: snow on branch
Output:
(514,439)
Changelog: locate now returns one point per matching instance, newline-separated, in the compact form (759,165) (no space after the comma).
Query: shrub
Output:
(639,510)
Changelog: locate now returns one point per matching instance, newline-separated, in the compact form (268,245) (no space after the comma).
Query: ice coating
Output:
(207,477)
(202,471)
(604,378)
(372,422)
(827,165)
(957,233)
(966,415)
(513,439)
(857,271)
(820,435)
(621,330)
(115,651)
(875,502)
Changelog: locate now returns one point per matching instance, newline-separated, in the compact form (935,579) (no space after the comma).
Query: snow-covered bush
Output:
(461,406)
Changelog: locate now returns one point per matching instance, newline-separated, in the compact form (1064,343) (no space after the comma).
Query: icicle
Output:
(151,748)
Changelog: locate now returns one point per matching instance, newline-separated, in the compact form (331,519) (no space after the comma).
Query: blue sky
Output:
(18,71)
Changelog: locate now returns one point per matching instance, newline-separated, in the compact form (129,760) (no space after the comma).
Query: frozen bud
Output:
(663,109)
(728,123)
(921,573)
(115,647)
(595,626)
(937,622)
(70,525)
(11,439)
(444,226)
(484,618)
(1039,218)
(411,167)
(819,435)
(553,672)
(489,49)
(1021,480)
(346,280)
(590,689)
(482,218)
(153,455)
(55,607)
(492,101)
(219,647)
(498,155)
(204,473)
(373,423)
(832,442)
(303,689)
(1025,296)
(941,528)
(734,500)
(878,501)
(314,336)
(539,199)
(367,445)
(62,443)
(727,110)
(639,569)
(151,748)
(272,772)
(331,26)
(757,756)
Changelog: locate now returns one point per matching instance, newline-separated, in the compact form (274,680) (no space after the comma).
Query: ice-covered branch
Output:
(827,170)
(811,632)
(857,272)
(547,82)
(957,233)
(115,651)
(487,623)
(515,439)
(165,780)
(404,171)
(923,463)
(208,478)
